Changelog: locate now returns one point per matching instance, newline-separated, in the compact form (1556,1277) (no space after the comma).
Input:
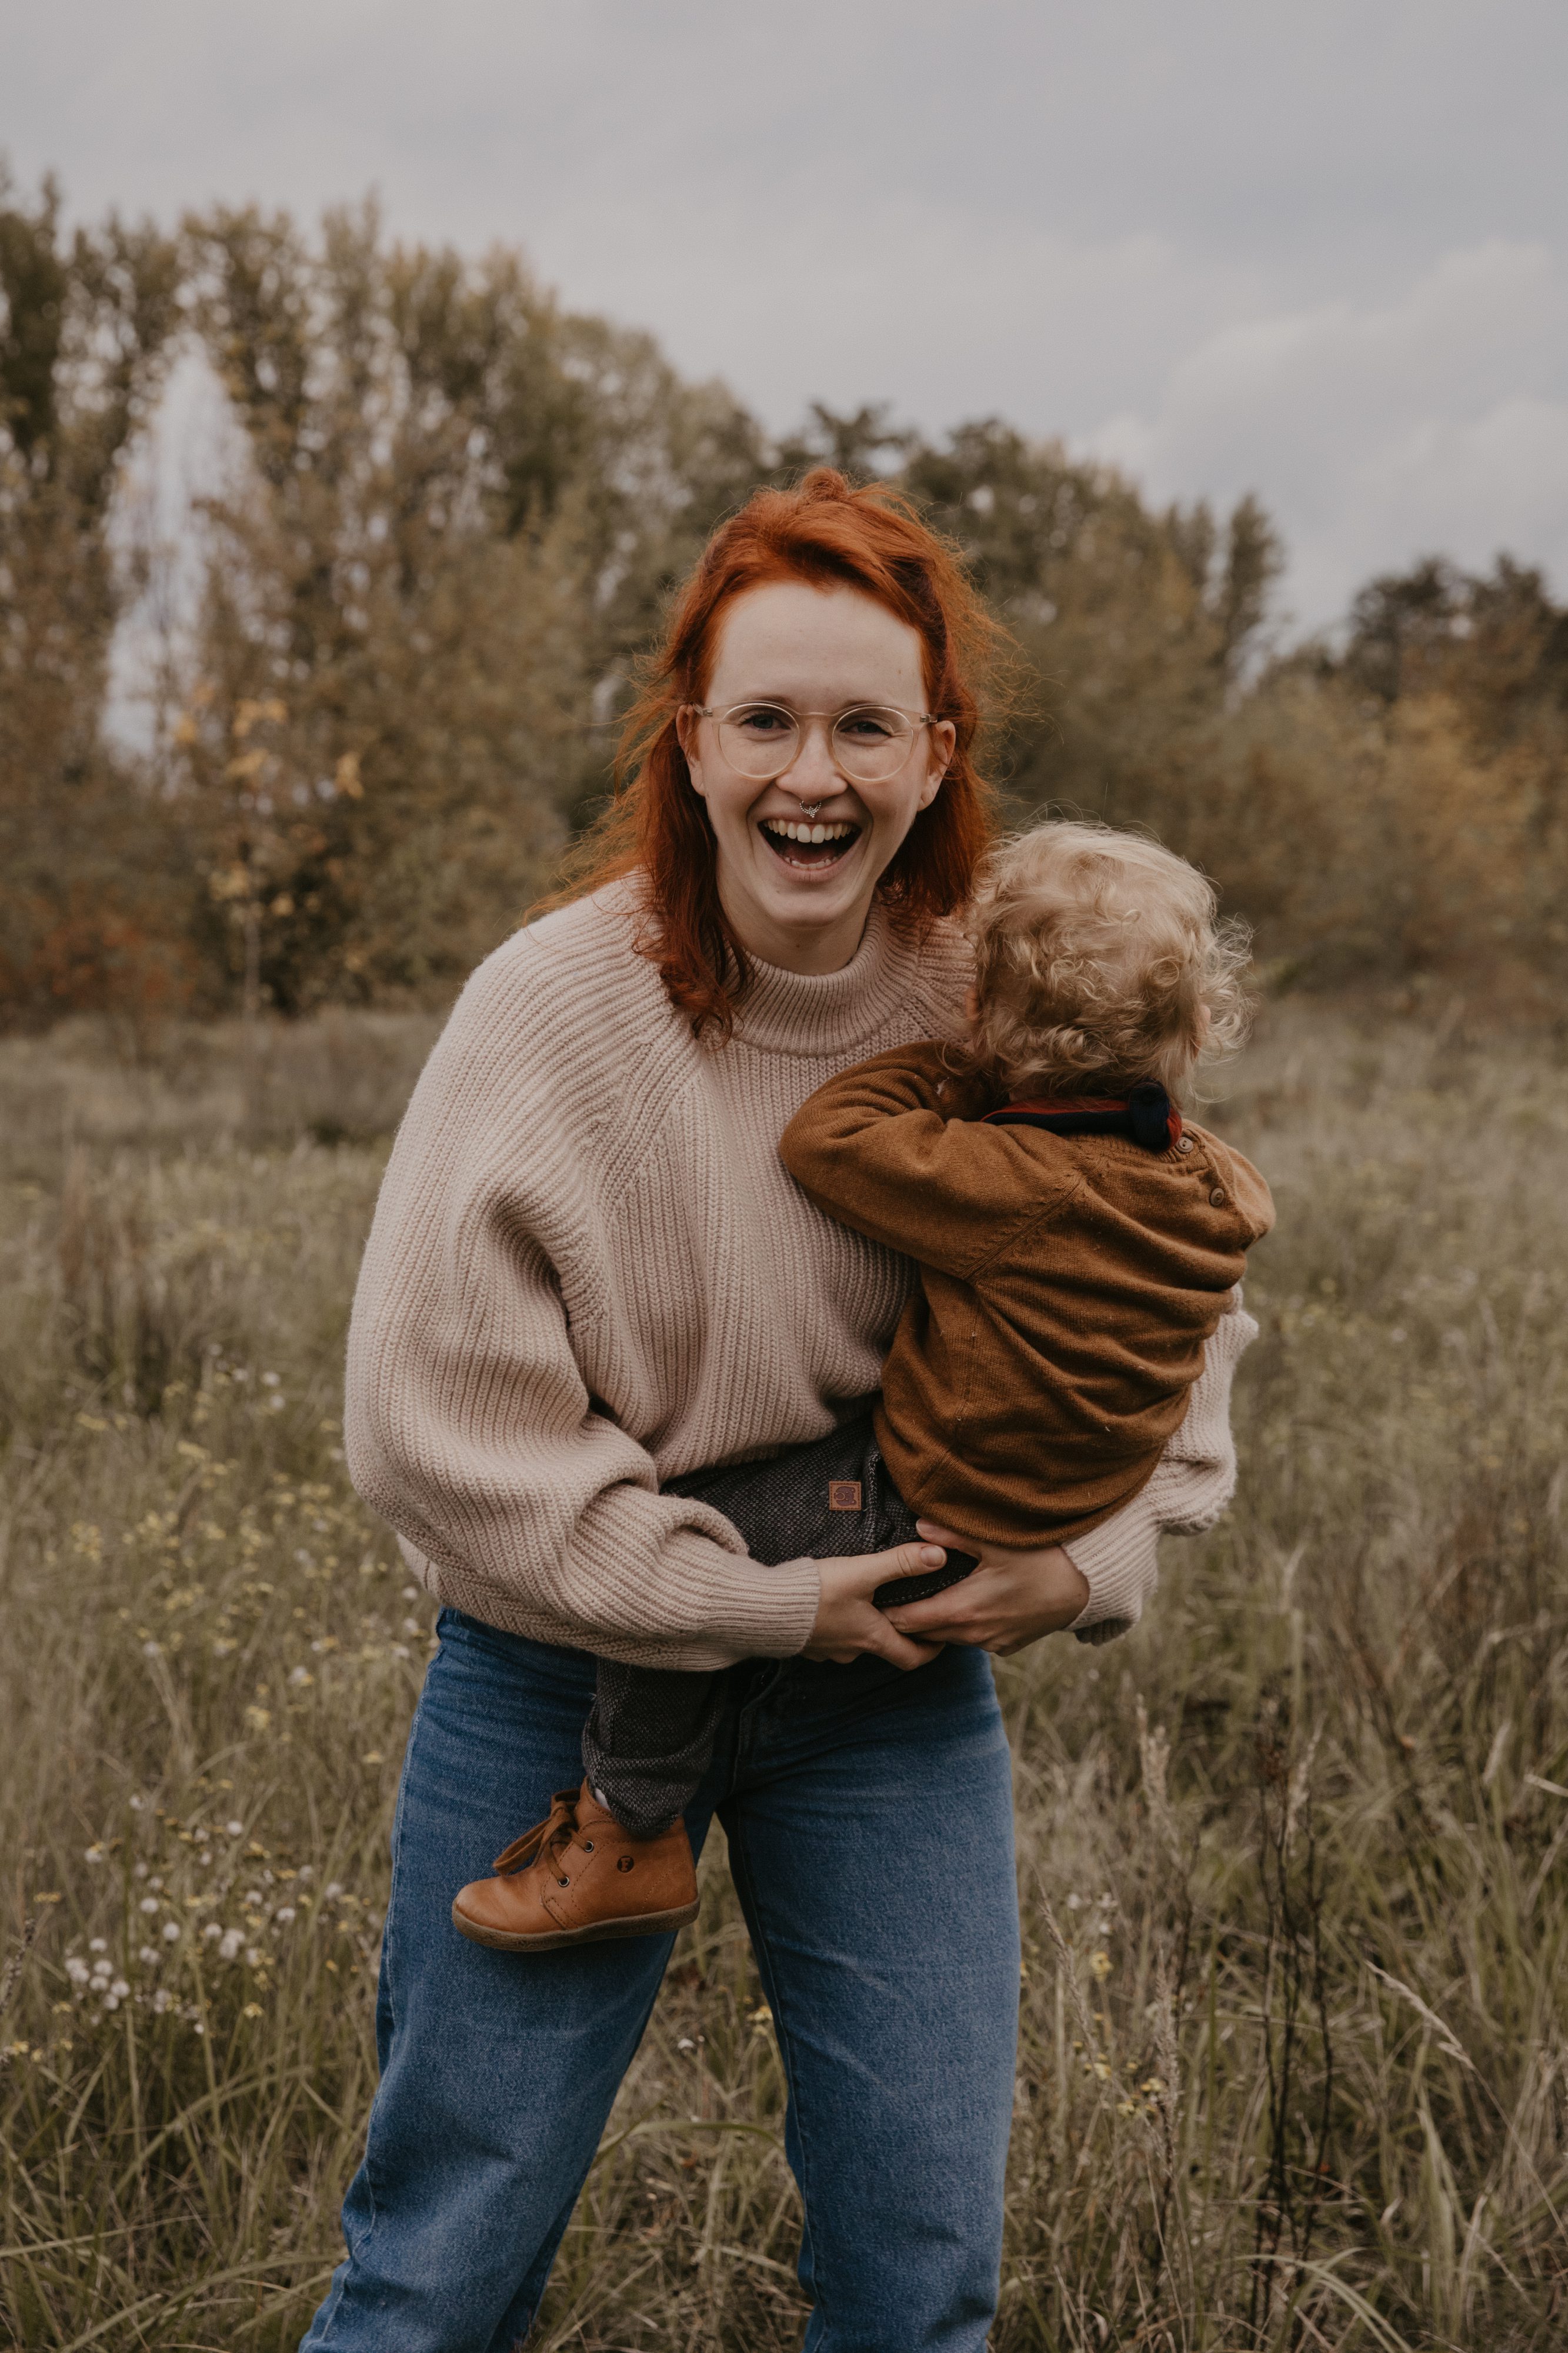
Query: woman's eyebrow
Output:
(846,702)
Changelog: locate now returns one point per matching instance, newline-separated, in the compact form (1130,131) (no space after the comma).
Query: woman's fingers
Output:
(950,1539)
(945,1611)
(904,1560)
(848,1623)
(1007,1602)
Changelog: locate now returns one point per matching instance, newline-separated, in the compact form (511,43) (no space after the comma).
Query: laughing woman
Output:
(589,1274)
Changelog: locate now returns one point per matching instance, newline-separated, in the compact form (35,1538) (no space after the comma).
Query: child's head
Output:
(1098,964)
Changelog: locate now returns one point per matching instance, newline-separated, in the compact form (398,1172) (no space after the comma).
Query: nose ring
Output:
(809,808)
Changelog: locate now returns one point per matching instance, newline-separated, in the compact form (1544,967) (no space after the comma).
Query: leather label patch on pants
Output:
(844,1494)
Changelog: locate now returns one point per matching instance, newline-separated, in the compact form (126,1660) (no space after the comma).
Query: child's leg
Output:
(648,1741)
(611,1859)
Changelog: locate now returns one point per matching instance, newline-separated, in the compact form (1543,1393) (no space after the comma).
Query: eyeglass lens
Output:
(761,739)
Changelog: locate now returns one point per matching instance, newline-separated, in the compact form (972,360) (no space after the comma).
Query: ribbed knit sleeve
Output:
(1194,1480)
(470,1424)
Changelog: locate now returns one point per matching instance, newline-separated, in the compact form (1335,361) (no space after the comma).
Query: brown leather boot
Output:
(576,1878)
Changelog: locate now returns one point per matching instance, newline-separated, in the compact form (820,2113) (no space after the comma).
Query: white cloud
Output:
(1434,422)
(1317,253)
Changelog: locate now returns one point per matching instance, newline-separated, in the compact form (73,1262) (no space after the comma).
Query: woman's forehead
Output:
(790,642)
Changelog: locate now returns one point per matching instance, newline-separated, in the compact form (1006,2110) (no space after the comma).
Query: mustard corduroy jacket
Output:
(1069,1284)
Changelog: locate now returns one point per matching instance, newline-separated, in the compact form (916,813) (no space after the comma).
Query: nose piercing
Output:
(808,809)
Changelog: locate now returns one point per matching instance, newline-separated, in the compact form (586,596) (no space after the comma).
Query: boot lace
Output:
(546,1838)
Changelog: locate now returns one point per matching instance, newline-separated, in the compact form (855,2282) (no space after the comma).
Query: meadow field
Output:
(1294,1857)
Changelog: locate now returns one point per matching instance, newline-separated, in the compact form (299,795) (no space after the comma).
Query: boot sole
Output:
(598,1932)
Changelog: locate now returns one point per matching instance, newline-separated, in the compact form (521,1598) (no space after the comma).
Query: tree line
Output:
(391,699)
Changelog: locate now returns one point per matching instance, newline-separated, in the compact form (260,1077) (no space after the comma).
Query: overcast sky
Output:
(1319,252)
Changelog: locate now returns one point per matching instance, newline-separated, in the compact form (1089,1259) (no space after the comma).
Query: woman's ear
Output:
(943,744)
(687,729)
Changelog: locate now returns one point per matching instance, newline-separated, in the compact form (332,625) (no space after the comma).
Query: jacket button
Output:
(1185,1145)
(1217,1199)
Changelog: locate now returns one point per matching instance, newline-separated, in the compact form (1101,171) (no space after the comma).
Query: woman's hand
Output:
(848,1623)
(1008,1602)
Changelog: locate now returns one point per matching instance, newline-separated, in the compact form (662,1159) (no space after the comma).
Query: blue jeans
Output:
(870,1827)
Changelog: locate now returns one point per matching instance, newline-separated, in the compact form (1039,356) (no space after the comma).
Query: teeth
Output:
(790,831)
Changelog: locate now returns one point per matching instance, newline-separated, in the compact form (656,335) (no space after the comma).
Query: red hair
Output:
(829,535)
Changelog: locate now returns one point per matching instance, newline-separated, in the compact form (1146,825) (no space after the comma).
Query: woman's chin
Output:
(813,902)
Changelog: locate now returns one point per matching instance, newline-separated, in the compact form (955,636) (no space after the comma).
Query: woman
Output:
(589,1273)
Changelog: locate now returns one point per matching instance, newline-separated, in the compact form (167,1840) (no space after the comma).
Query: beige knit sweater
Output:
(589,1271)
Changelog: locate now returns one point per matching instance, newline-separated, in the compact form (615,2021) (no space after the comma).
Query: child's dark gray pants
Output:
(650,1733)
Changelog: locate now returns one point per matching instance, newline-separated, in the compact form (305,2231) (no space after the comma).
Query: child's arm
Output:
(894,1149)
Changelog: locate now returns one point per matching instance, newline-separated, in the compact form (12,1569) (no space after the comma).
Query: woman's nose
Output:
(811,774)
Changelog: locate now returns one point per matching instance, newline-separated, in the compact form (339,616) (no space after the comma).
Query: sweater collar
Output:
(822,1013)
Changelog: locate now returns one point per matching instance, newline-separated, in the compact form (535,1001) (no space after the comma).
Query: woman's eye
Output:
(765,721)
(867,727)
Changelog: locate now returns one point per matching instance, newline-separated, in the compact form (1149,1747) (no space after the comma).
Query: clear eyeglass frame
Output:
(867,760)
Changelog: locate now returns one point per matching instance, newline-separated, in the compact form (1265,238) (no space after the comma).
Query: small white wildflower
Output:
(211,1931)
(138,1805)
(251,1956)
(98,1944)
(300,1677)
(201,1837)
(411,1593)
(139,1872)
(152,1650)
(111,2002)
(75,1969)
(306,1871)
(269,1380)
(148,1904)
(92,1855)
(148,1955)
(119,1989)
(171,1932)
(231,1944)
(156,1885)
(162,1999)
(235,1830)
(333,1889)
(284,1914)
(277,1401)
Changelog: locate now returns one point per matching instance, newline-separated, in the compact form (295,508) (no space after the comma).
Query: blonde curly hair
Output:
(1099,964)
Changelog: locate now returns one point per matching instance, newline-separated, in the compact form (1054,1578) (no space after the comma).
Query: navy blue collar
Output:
(1147,1115)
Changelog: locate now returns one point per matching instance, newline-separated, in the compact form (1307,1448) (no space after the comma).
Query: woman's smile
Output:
(809,845)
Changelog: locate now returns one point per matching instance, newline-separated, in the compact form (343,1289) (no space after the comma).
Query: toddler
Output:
(1078,1242)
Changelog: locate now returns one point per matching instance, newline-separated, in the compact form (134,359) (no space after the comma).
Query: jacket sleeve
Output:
(1193,1482)
(894,1147)
(468,1423)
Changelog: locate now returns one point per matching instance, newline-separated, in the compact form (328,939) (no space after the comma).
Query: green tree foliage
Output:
(461,511)
(428,585)
(1135,627)
(84,324)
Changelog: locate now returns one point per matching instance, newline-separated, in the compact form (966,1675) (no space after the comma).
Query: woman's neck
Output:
(810,950)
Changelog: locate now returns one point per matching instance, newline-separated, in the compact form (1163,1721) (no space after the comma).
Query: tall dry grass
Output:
(1294,2060)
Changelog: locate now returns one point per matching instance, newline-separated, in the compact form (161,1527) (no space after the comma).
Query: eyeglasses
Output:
(869,743)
